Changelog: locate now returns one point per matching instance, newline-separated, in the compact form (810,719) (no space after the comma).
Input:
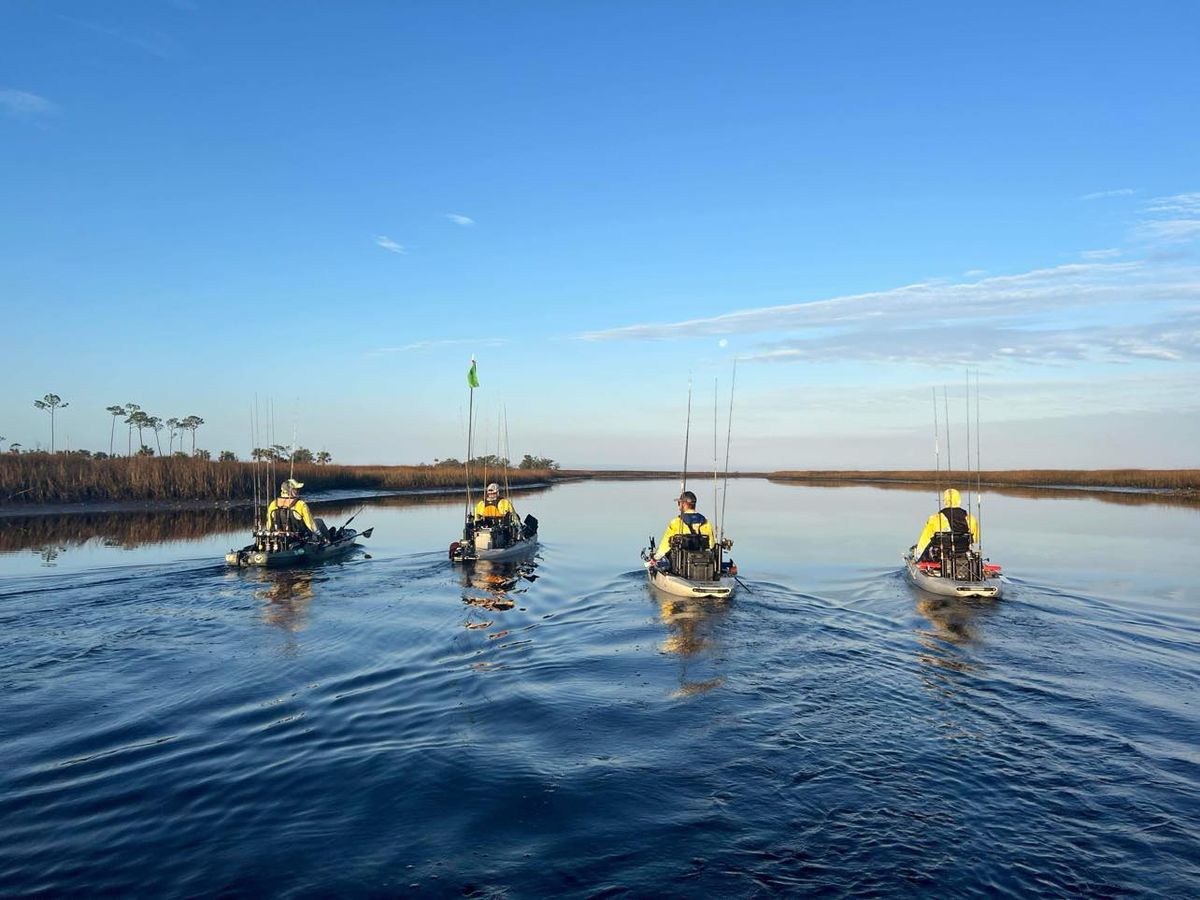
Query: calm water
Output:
(393,725)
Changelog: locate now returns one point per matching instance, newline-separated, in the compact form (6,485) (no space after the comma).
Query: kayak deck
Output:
(678,586)
(301,554)
(928,577)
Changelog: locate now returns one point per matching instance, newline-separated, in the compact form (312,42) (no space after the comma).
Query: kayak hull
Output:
(303,555)
(678,586)
(521,549)
(931,583)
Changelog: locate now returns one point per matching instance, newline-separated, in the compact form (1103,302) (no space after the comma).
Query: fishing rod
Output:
(716,384)
(978,471)
(292,453)
(254,463)
(937,454)
(970,495)
(687,436)
(949,454)
(507,456)
(471,381)
(728,437)
(353,517)
(271,438)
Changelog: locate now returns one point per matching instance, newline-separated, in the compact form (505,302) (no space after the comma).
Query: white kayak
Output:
(499,544)
(678,586)
(928,576)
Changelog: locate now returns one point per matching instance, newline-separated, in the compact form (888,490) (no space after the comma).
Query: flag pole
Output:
(472,383)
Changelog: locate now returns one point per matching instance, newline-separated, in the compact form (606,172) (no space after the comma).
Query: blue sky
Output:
(334,205)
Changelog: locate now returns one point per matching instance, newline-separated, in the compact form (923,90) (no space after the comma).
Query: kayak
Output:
(305,553)
(498,543)
(928,576)
(691,568)
(678,586)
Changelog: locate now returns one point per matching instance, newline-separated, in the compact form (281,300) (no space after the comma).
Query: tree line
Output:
(492,461)
(135,419)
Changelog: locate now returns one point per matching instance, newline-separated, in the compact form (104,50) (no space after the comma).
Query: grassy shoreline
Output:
(76,483)
(1174,481)
(37,479)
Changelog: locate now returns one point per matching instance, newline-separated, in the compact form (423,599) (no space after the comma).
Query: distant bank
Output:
(72,483)
(39,479)
(1181,482)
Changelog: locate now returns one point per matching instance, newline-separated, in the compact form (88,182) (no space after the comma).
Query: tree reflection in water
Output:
(690,624)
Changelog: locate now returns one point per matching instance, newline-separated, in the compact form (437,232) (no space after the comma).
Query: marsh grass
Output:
(34,478)
(1184,480)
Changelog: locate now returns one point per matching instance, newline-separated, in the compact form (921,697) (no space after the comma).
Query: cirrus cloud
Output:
(25,104)
(1115,312)
(388,244)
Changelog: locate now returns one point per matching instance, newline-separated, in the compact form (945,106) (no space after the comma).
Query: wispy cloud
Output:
(974,273)
(417,346)
(1171,220)
(156,43)
(1169,231)
(1175,339)
(1100,195)
(24,104)
(1075,285)
(1107,253)
(1178,204)
(1048,317)
(387,243)
(465,221)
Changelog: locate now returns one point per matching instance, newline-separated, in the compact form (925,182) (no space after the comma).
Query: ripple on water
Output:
(396,721)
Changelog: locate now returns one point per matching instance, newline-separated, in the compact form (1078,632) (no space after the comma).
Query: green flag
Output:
(472,378)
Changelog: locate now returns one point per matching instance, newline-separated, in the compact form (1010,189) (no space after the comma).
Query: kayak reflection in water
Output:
(690,624)
(287,595)
(498,581)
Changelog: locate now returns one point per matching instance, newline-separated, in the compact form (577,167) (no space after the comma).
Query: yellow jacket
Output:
(938,522)
(299,507)
(677,526)
(500,508)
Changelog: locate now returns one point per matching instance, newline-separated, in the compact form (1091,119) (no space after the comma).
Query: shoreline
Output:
(316,500)
(918,480)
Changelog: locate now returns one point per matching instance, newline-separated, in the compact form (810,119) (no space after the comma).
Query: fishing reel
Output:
(648,554)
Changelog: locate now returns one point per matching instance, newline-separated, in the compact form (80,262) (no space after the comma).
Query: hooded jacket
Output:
(945,519)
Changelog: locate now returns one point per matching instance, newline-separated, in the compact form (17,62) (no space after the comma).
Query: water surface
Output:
(393,724)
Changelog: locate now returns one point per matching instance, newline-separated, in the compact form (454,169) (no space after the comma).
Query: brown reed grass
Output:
(36,478)
(1143,479)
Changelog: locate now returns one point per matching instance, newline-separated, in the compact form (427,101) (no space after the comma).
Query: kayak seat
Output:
(692,543)
(285,521)
(945,543)
(691,558)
